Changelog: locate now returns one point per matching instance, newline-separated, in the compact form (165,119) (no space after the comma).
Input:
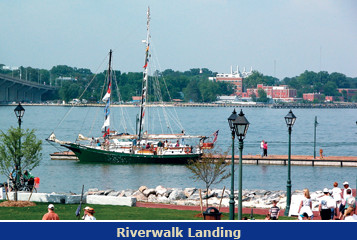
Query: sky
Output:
(280,38)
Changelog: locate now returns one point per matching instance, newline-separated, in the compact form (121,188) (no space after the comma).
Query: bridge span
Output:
(19,90)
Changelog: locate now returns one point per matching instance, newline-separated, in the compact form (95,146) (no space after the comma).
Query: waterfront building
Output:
(280,93)
(313,97)
(236,78)
(350,92)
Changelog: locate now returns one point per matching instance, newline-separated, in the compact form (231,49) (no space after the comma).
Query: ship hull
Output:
(90,155)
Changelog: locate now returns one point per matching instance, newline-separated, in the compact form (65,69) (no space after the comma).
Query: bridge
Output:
(19,90)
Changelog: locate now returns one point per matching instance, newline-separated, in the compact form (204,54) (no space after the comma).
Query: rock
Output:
(177,195)
(209,196)
(195,196)
(142,188)
(160,190)
(163,199)
(149,191)
(189,191)
(99,193)
(218,193)
(152,198)
(122,194)
(106,192)
(93,190)
(139,196)
(168,192)
(113,194)
(128,192)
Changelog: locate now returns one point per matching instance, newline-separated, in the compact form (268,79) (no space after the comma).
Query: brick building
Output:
(277,93)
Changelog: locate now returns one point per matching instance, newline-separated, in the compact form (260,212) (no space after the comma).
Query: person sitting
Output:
(29,178)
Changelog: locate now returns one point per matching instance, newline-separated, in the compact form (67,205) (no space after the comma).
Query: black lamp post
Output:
(231,197)
(19,112)
(315,125)
(241,125)
(290,119)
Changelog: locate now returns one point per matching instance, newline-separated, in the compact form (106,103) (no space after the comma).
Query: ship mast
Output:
(145,79)
(106,99)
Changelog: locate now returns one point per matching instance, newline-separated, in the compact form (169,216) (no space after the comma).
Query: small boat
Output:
(65,155)
(143,146)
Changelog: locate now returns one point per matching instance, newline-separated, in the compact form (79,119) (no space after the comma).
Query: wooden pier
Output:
(302,160)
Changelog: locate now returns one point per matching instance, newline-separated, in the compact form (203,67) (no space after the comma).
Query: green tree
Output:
(192,92)
(262,96)
(210,170)
(27,157)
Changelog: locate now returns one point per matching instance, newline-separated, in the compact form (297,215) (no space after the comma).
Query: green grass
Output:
(107,212)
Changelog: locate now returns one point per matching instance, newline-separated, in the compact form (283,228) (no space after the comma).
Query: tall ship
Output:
(144,146)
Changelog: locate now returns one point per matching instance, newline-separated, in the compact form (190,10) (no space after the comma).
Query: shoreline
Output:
(254,198)
(342,105)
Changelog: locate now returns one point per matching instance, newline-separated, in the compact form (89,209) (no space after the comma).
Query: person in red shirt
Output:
(51,215)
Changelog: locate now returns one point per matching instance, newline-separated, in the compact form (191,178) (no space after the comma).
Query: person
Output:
(88,214)
(29,178)
(349,215)
(305,206)
(51,215)
(177,143)
(262,147)
(159,148)
(350,200)
(147,145)
(267,217)
(344,196)
(324,207)
(336,194)
(274,211)
(332,204)
(265,149)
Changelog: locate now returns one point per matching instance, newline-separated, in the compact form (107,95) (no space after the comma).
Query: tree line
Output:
(192,85)
(307,82)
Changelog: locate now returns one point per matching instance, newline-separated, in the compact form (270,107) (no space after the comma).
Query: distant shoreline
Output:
(258,105)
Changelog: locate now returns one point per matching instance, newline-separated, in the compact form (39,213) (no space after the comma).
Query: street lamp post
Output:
(241,125)
(231,196)
(19,112)
(315,125)
(290,119)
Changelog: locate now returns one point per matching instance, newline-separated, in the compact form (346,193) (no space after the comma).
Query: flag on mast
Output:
(215,136)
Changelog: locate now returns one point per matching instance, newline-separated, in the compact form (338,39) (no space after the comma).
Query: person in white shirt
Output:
(324,206)
(88,214)
(344,196)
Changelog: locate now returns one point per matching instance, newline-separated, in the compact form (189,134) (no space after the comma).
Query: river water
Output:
(336,135)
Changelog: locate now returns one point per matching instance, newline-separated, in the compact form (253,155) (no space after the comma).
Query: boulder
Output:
(139,196)
(128,192)
(93,190)
(142,188)
(163,199)
(160,190)
(189,191)
(149,191)
(195,196)
(122,194)
(168,192)
(99,193)
(152,198)
(113,194)
(177,195)
(106,192)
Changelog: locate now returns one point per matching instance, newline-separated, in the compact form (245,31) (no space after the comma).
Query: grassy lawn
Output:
(106,212)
